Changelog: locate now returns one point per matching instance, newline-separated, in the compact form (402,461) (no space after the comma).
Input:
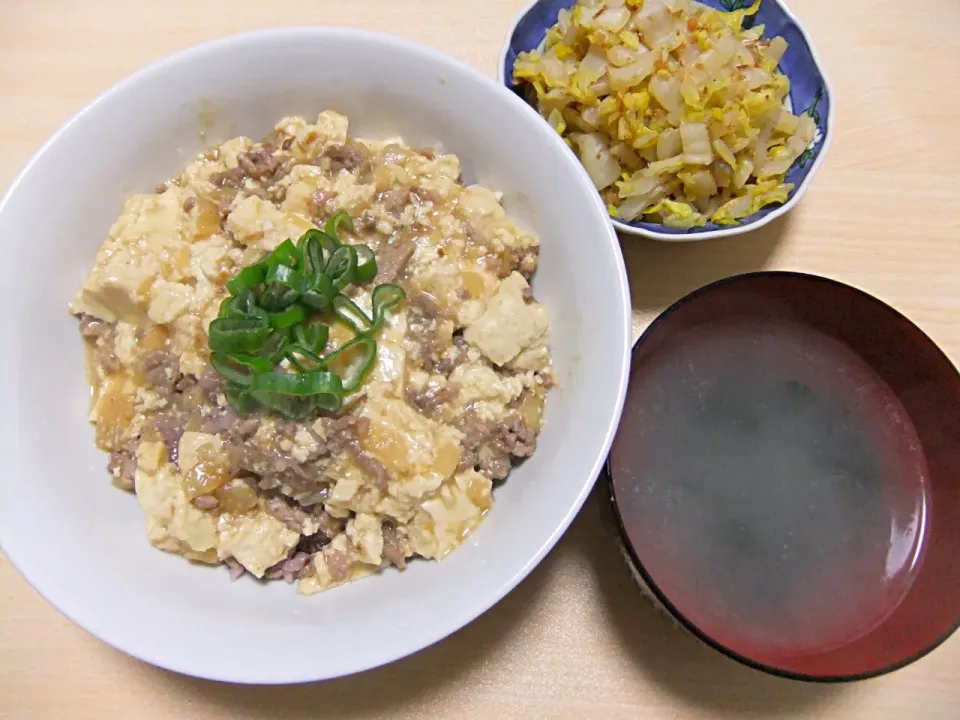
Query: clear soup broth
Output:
(775,486)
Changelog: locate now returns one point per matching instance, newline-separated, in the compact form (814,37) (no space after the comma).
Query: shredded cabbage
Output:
(674,109)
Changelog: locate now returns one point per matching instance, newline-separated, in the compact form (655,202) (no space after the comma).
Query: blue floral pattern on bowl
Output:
(809,94)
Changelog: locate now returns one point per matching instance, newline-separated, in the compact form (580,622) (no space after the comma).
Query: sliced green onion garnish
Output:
(313,337)
(303,359)
(348,311)
(266,342)
(247,279)
(366,264)
(240,400)
(230,335)
(328,244)
(315,300)
(342,268)
(277,296)
(273,348)
(358,369)
(287,392)
(333,224)
(292,316)
(311,383)
(287,277)
(239,369)
(286,253)
(385,297)
(313,258)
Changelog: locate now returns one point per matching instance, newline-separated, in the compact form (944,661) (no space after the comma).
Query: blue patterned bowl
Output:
(810,93)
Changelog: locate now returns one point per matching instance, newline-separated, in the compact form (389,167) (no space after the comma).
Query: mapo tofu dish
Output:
(312,356)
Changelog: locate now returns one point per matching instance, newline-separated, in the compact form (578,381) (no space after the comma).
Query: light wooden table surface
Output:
(575,640)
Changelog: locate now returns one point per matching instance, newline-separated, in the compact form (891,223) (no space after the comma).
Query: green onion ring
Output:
(360,369)
(366,264)
(231,335)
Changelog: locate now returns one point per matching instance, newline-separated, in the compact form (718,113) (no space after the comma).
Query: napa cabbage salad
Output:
(676,110)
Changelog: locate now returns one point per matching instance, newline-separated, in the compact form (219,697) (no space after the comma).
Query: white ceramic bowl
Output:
(82,544)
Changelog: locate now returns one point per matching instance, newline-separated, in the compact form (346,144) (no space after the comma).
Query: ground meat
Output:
(267,482)
(294,479)
(206,502)
(275,140)
(319,200)
(170,428)
(293,567)
(91,327)
(367,221)
(474,236)
(105,355)
(283,169)
(490,446)
(393,551)
(362,427)
(337,562)
(516,437)
(162,370)
(394,201)
(278,194)
(429,401)
(289,431)
(344,157)
(370,464)
(525,261)
(453,357)
(426,152)
(494,466)
(392,259)
(330,526)
(232,178)
(245,458)
(221,420)
(237,570)
(210,382)
(425,304)
(450,361)
(475,429)
(122,465)
(340,430)
(527,294)
(424,332)
(311,544)
(189,204)
(286,512)
(365,175)
(245,428)
(275,468)
(160,189)
(224,205)
(422,195)
(258,164)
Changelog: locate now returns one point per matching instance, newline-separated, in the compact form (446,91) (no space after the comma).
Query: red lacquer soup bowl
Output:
(786,476)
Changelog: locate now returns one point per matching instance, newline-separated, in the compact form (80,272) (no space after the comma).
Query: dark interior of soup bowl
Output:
(787,476)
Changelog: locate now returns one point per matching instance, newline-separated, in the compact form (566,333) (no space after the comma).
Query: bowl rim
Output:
(732,230)
(661,597)
(481,603)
